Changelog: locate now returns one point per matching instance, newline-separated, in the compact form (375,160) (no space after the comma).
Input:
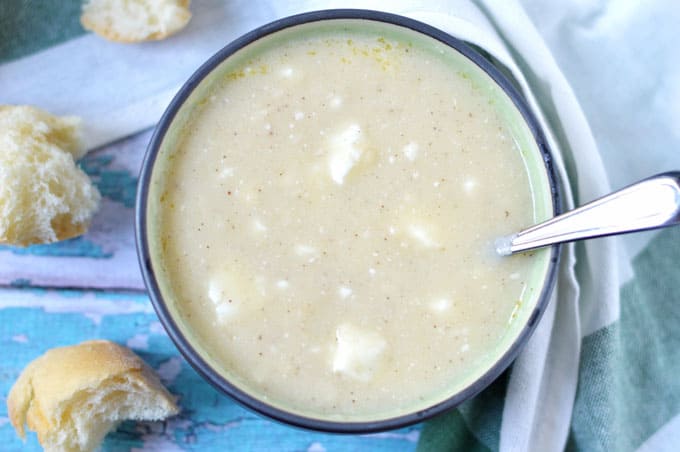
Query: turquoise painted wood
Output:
(35,316)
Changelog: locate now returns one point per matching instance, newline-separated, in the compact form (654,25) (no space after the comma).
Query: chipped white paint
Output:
(20,338)
(156,443)
(316,447)
(211,427)
(412,437)
(169,370)
(138,342)
(286,72)
(160,436)
(88,304)
(299,115)
(156,328)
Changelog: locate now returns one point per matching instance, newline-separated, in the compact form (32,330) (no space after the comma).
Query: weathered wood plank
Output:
(34,320)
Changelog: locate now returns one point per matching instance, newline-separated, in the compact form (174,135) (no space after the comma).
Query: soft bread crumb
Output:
(73,396)
(44,196)
(135,20)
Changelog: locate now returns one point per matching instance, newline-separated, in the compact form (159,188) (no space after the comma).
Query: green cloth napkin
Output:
(29,26)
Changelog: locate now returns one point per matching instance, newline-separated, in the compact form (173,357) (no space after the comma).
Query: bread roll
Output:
(73,396)
(44,196)
(135,20)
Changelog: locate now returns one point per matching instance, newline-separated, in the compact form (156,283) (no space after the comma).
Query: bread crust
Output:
(111,20)
(41,396)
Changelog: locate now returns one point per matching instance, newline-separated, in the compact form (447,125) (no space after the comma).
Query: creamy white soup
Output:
(328,219)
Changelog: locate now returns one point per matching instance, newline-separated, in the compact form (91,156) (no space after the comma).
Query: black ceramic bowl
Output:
(538,163)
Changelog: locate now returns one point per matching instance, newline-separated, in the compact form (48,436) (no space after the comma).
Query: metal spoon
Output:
(649,204)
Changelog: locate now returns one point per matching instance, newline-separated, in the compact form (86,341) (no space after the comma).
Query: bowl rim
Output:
(171,327)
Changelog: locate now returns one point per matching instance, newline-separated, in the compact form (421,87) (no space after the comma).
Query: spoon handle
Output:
(649,204)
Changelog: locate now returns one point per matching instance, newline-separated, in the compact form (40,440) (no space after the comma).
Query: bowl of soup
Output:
(316,219)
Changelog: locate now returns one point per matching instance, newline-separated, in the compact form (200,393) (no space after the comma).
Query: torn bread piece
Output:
(73,396)
(44,196)
(135,20)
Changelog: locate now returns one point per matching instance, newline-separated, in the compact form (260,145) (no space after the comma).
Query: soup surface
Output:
(328,224)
